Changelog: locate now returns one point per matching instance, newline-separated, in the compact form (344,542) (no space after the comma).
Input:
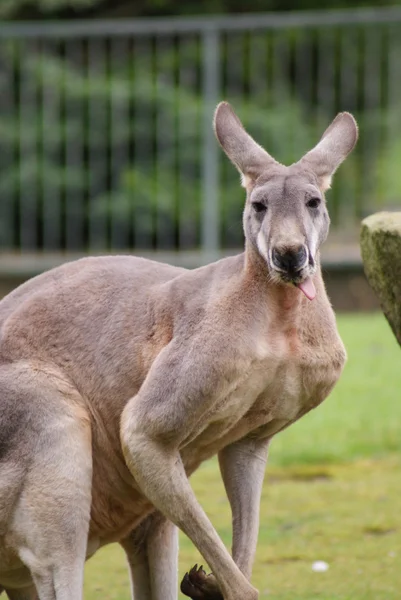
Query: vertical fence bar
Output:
(210,216)
(393,130)
(143,124)
(257,66)
(165,151)
(119,92)
(225,174)
(258,69)
(130,127)
(235,68)
(281,92)
(303,93)
(50,131)
(97,160)
(303,66)
(326,76)
(348,101)
(231,202)
(187,146)
(325,97)
(371,109)
(74,163)
(7,108)
(27,147)
(293,96)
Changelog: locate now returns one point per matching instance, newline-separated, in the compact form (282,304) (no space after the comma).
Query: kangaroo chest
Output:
(279,384)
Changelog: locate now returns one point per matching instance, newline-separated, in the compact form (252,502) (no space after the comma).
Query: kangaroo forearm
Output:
(161,476)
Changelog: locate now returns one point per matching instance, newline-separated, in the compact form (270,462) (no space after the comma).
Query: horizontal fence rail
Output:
(106,140)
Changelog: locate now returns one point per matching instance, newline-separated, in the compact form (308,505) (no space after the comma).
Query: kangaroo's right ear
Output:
(249,158)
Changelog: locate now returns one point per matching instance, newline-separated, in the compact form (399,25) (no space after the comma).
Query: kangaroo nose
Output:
(289,260)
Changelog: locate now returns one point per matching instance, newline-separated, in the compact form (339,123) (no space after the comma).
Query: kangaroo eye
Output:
(313,203)
(259,207)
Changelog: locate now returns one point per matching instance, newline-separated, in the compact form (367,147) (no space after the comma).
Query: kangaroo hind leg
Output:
(50,516)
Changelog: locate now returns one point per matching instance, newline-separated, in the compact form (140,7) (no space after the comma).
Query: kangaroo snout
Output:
(290,260)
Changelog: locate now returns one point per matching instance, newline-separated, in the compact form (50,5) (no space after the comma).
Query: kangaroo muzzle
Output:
(290,261)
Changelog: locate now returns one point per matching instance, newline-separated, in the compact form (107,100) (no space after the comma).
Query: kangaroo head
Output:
(285,217)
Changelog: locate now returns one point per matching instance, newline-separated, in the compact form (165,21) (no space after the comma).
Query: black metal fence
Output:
(105,127)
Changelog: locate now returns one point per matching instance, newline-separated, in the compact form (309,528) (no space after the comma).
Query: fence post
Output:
(210,154)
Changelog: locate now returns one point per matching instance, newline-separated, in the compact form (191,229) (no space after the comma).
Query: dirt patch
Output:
(304,475)
(379,531)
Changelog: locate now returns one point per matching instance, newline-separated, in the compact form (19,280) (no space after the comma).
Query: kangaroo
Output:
(119,376)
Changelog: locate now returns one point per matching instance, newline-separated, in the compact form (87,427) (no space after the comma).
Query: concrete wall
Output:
(342,270)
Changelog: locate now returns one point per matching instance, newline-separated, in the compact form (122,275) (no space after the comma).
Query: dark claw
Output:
(199,586)
(187,588)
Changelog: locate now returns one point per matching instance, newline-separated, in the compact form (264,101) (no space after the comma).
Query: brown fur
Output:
(120,376)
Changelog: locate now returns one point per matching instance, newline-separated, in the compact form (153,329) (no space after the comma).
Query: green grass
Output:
(332,490)
(362,417)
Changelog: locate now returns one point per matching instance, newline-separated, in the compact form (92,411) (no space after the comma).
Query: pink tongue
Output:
(308,288)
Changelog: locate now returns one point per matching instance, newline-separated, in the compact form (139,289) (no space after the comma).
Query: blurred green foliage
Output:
(101,141)
(22,8)
(52,8)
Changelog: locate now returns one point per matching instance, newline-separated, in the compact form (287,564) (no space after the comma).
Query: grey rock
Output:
(381,254)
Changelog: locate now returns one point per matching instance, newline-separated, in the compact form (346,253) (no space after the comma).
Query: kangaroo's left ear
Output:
(336,143)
